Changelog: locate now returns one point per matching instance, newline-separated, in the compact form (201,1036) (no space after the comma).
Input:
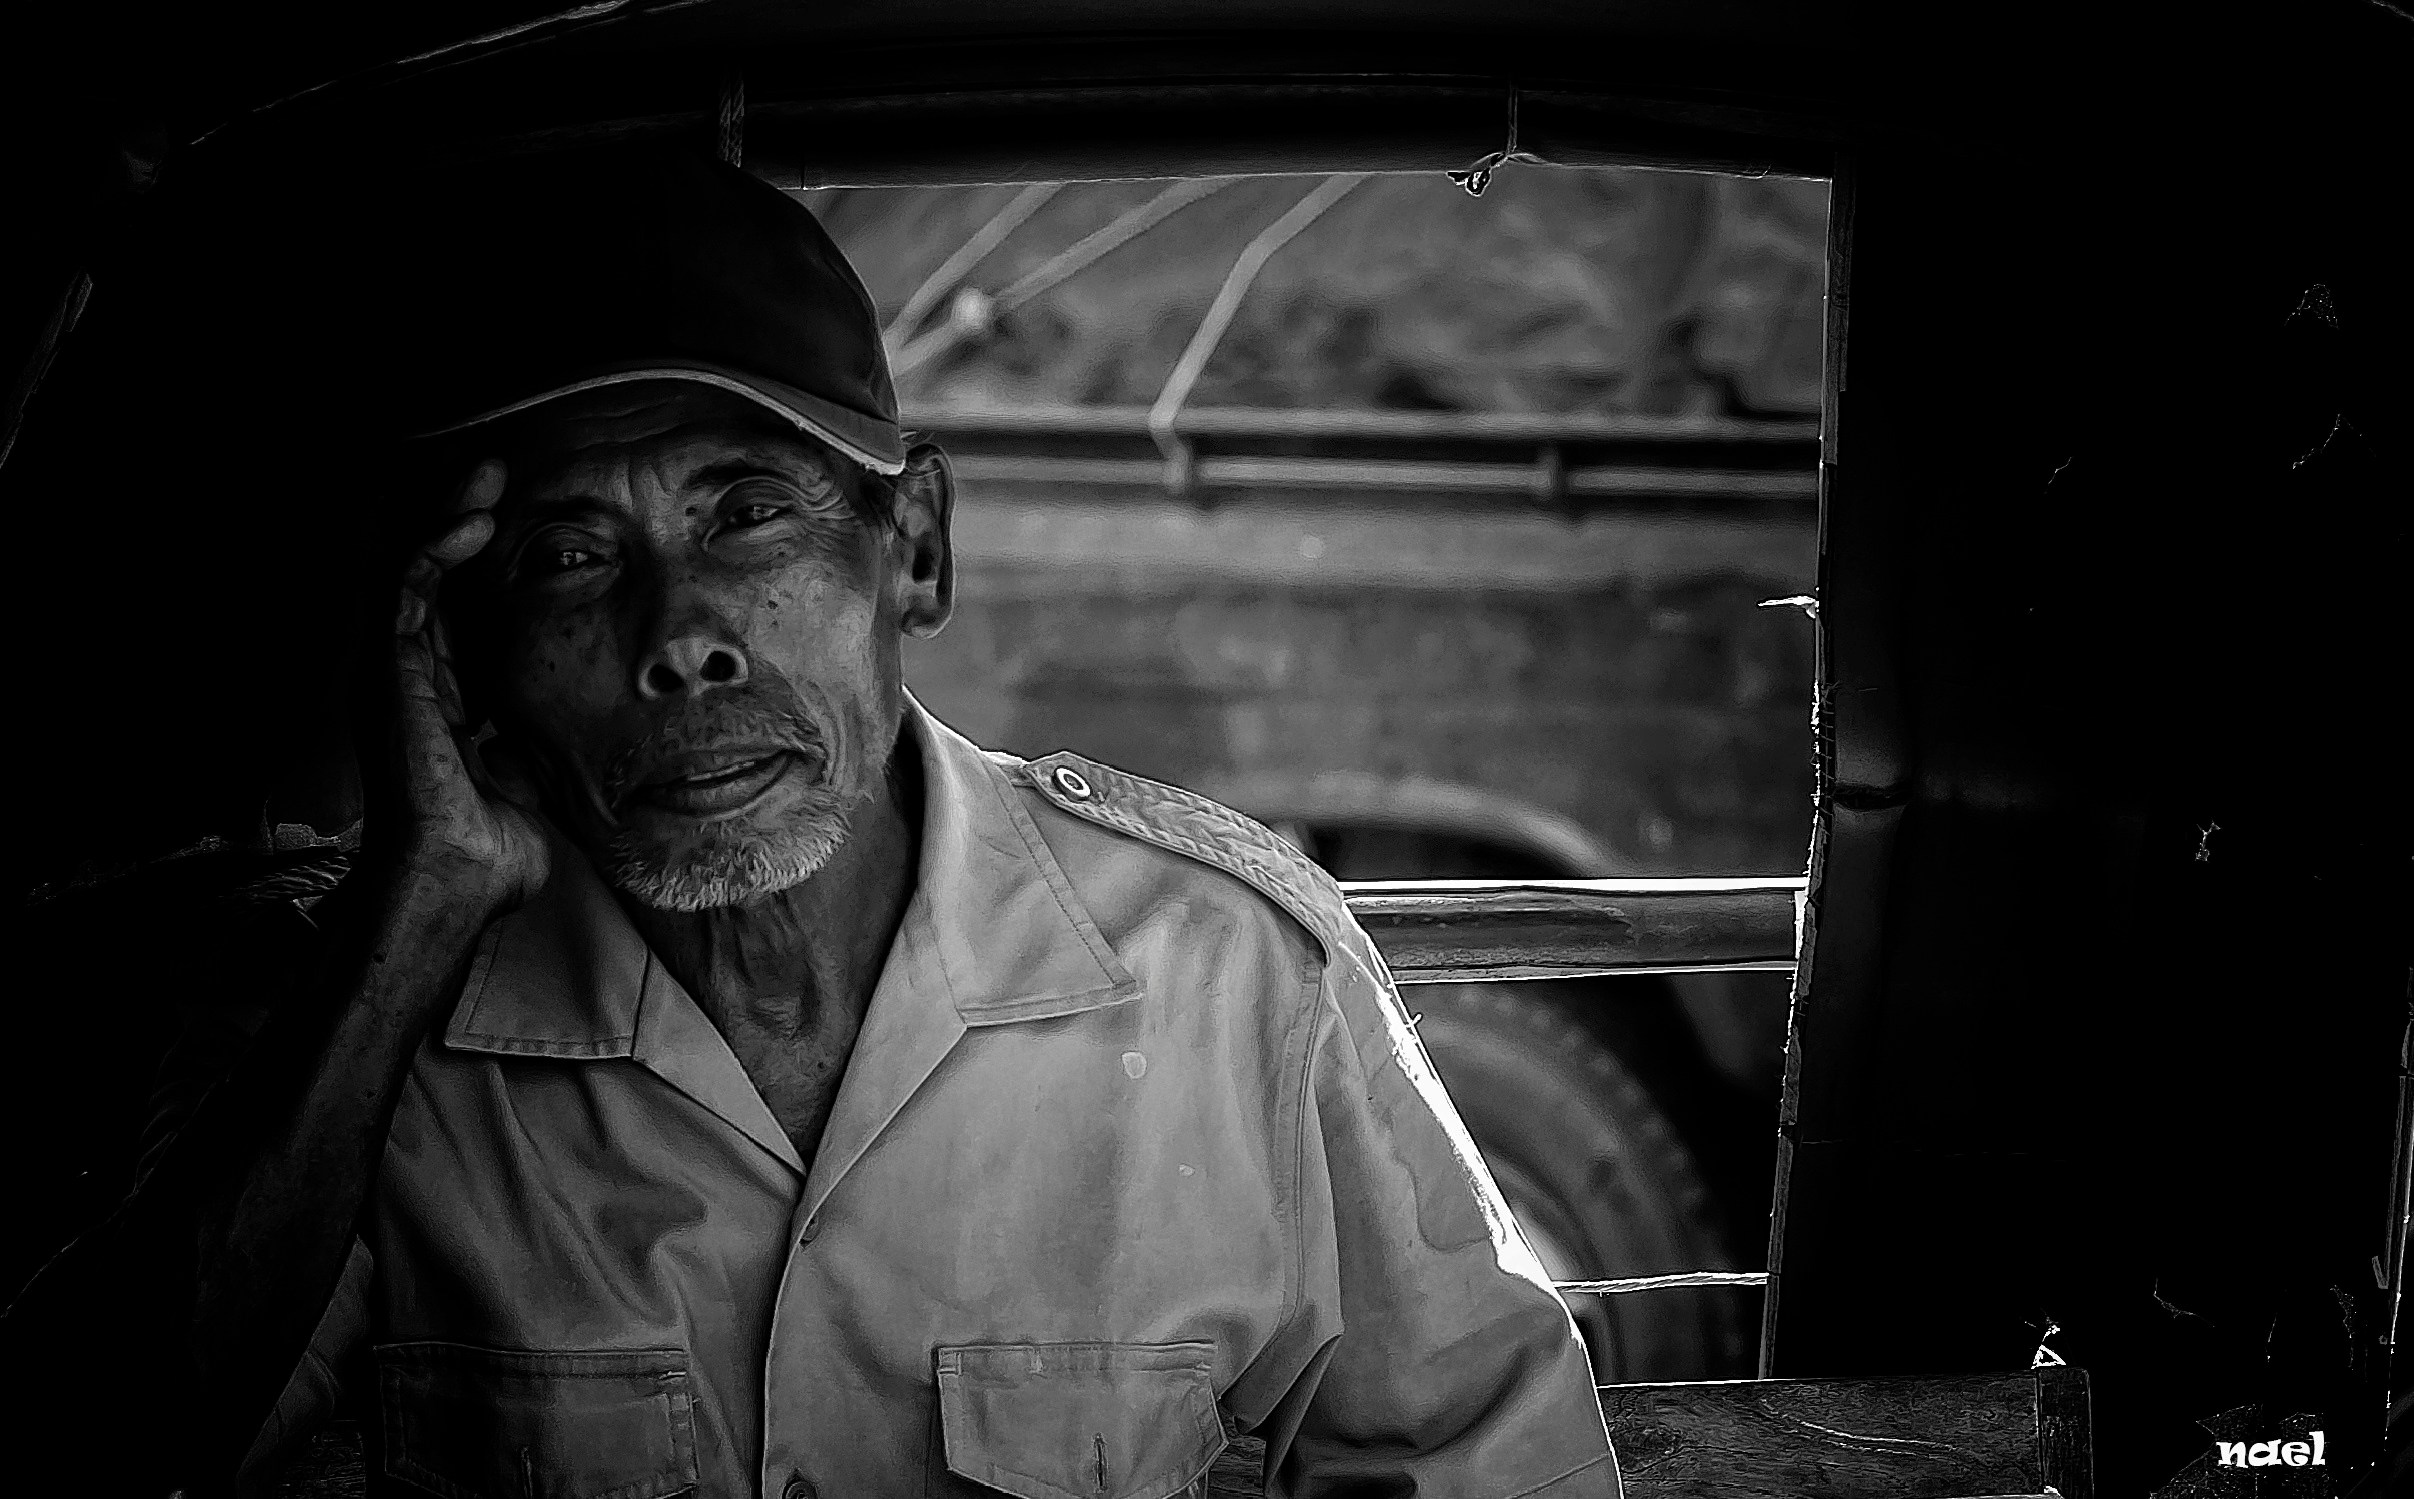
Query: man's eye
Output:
(553,559)
(755,514)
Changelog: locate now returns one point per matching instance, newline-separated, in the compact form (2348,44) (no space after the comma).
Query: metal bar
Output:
(1394,477)
(65,312)
(1448,931)
(1117,232)
(1662,1282)
(1257,421)
(1113,235)
(2389,1267)
(967,255)
(1237,281)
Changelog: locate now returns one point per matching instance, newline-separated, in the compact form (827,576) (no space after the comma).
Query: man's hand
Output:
(470,838)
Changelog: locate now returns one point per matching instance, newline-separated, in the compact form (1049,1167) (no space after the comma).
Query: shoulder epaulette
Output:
(1188,824)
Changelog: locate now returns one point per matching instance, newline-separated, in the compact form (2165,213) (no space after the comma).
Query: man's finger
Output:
(483,490)
(419,581)
(473,518)
(468,535)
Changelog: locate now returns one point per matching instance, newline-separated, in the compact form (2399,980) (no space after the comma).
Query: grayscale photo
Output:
(1326,751)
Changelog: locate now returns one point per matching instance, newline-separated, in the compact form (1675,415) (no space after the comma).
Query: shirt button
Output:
(812,1232)
(1071,783)
(799,1487)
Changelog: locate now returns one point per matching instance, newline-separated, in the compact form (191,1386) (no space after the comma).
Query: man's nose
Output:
(689,665)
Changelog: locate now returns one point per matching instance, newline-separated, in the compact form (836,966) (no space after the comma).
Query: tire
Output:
(1593,1173)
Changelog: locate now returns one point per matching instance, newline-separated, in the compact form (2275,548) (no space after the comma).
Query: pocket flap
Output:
(498,1423)
(1080,1420)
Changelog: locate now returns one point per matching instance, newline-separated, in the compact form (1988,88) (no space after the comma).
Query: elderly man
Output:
(745,1085)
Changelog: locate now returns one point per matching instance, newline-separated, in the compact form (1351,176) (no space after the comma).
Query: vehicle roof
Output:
(231,58)
(1714,82)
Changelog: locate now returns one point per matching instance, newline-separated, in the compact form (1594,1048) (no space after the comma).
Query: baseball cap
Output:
(549,278)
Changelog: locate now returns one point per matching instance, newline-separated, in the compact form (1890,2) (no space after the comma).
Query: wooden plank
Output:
(1447,930)
(2066,1431)
(1235,1475)
(1980,1436)
(329,1466)
(1238,1472)
(1828,1438)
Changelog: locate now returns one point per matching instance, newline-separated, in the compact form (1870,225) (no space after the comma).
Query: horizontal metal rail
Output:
(1558,461)
(1273,422)
(1677,1281)
(1446,931)
(1524,481)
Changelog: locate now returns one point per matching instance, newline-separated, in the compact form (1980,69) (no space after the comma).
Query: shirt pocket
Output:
(494,1423)
(1079,1420)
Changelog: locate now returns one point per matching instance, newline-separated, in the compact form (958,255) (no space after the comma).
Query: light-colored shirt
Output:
(1136,1149)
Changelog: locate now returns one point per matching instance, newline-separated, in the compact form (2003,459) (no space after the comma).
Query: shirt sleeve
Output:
(1435,1359)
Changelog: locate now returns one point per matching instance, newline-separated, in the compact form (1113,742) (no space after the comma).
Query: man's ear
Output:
(922,517)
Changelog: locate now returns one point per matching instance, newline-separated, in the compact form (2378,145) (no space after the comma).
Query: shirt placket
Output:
(788,1458)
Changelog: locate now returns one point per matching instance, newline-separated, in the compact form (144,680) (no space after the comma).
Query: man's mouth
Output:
(719,785)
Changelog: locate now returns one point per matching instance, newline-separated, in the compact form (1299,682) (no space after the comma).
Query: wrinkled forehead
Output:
(626,443)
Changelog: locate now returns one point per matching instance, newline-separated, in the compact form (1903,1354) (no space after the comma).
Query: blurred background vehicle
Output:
(1452,536)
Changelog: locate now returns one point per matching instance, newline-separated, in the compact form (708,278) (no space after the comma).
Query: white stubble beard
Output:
(729,864)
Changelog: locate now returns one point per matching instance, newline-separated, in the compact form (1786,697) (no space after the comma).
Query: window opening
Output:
(1432,529)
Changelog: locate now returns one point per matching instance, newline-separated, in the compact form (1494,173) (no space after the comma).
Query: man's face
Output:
(689,623)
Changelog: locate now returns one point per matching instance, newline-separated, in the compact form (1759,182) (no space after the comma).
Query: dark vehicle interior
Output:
(2097,1053)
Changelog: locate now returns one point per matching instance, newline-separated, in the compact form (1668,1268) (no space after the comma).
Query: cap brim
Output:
(870,441)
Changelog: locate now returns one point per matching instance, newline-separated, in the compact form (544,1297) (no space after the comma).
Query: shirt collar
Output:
(993,932)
